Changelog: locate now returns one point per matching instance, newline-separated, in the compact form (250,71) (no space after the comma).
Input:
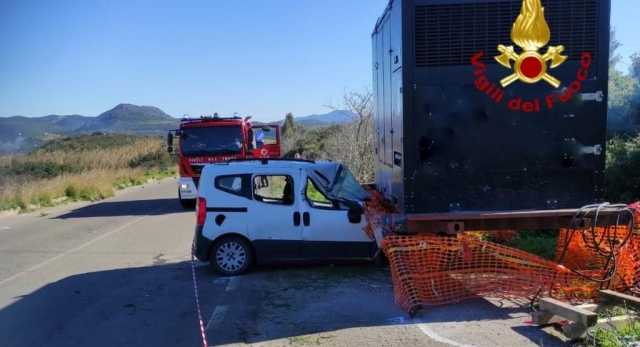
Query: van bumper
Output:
(203,245)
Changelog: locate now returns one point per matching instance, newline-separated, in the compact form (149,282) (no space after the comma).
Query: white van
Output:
(275,211)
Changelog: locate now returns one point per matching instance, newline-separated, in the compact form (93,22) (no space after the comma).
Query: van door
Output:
(275,223)
(327,232)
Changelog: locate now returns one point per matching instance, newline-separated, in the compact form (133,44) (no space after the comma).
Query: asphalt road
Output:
(117,273)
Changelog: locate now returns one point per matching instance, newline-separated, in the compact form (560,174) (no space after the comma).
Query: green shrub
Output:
(541,243)
(88,142)
(622,172)
(628,335)
(42,199)
(38,169)
(71,191)
(158,158)
(11,203)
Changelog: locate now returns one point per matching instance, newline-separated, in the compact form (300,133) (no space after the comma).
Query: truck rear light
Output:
(201,212)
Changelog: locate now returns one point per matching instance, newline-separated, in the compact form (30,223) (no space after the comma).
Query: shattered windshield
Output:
(211,140)
(346,186)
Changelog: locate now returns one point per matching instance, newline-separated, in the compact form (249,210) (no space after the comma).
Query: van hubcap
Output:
(231,256)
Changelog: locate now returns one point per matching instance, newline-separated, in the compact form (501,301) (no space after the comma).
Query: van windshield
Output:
(337,182)
(211,140)
(346,186)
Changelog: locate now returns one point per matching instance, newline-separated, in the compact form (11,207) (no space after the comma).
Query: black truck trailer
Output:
(495,105)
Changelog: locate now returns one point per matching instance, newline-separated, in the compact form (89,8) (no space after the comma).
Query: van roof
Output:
(325,174)
(269,163)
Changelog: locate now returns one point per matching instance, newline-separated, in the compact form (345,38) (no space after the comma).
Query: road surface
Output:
(117,273)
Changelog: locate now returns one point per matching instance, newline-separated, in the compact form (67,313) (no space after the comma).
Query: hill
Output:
(336,117)
(23,134)
(84,167)
(132,119)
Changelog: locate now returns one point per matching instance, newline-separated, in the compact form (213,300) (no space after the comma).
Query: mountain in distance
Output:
(132,119)
(21,134)
(336,117)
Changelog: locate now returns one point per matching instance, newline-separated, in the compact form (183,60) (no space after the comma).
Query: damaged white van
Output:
(277,211)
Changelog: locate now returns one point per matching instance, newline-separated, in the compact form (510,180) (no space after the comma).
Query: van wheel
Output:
(231,256)
(187,204)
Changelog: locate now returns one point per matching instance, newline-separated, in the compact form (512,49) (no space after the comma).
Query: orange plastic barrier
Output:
(429,269)
(378,214)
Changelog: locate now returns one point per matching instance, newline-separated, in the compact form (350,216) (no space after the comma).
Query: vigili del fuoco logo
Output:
(530,33)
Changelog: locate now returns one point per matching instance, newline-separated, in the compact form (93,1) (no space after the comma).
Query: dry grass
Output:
(46,177)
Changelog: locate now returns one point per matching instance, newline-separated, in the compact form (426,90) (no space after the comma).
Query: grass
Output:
(623,164)
(309,340)
(625,336)
(539,242)
(88,167)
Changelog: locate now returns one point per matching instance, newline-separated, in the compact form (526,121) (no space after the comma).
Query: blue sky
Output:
(258,57)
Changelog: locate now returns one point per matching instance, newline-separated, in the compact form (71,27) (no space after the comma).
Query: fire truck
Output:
(217,139)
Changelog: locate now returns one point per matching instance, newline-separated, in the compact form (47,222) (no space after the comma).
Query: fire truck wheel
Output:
(231,256)
(187,204)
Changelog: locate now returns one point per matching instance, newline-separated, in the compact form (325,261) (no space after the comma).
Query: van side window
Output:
(276,189)
(235,184)
(315,197)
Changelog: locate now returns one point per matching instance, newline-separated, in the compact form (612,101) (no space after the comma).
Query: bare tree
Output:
(353,143)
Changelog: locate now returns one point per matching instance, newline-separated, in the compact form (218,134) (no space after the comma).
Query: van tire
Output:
(231,256)
(187,204)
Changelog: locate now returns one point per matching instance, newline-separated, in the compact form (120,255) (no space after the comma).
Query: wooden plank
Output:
(546,318)
(417,227)
(581,316)
(613,297)
(502,220)
(589,307)
(471,215)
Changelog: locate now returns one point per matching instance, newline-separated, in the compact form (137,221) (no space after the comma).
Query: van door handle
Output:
(306,219)
(296,218)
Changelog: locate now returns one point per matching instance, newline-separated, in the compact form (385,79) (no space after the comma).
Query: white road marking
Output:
(396,320)
(73,250)
(217,316)
(232,284)
(434,336)
(425,330)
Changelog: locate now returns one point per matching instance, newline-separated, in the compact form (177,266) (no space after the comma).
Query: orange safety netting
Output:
(429,269)
(377,214)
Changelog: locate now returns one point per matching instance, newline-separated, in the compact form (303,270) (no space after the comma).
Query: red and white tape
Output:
(197,296)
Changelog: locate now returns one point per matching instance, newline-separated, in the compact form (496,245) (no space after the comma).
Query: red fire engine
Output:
(218,139)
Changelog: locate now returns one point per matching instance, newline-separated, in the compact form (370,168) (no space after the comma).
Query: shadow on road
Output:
(147,306)
(154,306)
(152,207)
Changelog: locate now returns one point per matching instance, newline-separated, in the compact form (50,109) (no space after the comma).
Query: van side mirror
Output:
(355,214)
(170,142)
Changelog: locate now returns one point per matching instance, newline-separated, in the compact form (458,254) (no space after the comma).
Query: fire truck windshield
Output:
(211,140)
